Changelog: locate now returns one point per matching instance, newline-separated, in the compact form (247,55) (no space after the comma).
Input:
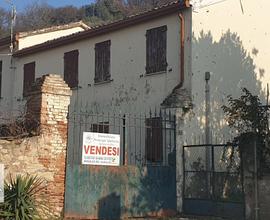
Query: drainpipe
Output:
(182,50)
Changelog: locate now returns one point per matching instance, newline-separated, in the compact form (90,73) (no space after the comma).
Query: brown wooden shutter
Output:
(102,61)
(28,76)
(1,69)
(154,143)
(156,49)
(71,60)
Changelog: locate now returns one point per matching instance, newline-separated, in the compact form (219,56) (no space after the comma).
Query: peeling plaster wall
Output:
(131,89)
(234,46)
(5,99)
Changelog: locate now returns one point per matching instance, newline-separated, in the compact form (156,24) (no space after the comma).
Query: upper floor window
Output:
(156,49)
(102,61)
(28,76)
(1,68)
(71,60)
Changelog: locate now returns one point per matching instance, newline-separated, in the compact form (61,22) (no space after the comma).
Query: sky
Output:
(21,4)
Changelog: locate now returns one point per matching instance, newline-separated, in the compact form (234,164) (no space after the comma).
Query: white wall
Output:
(30,40)
(235,46)
(5,101)
(131,89)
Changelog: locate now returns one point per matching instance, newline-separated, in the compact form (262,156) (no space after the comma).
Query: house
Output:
(132,63)
(122,72)
(20,41)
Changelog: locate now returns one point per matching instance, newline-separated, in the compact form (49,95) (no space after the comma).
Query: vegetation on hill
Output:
(40,15)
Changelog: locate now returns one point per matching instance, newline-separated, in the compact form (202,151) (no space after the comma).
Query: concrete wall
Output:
(131,88)
(233,45)
(43,155)
(100,192)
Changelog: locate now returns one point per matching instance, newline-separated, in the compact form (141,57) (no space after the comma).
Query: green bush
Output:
(20,198)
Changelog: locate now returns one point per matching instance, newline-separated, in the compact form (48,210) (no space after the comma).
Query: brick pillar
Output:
(47,103)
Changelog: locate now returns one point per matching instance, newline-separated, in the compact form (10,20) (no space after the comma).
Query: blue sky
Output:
(21,4)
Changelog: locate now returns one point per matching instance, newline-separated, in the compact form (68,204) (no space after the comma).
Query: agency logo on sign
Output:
(1,183)
(101,149)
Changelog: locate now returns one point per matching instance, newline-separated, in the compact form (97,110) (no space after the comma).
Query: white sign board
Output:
(1,183)
(101,149)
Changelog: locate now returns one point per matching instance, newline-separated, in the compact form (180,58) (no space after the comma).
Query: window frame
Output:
(156,50)
(102,62)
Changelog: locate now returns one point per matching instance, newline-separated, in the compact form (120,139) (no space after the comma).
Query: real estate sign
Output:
(1,182)
(101,149)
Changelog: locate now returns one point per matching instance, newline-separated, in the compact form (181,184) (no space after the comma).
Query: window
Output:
(102,127)
(154,143)
(156,49)
(1,68)
(28,76)
(71,68)
(102,61)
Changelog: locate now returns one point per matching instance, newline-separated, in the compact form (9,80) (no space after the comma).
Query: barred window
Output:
(102,61)
(71,68)
(28,76)
(156,49)
(102,127)
(154,143)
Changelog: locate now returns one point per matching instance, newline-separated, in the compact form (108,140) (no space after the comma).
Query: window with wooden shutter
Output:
(71,60)
(1,68)
(156,49)
(154,143)
(102,61)
(28,76)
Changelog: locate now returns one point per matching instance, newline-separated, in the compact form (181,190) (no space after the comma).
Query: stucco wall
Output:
(30,40)
(234,46)
(5,100)
(130,89)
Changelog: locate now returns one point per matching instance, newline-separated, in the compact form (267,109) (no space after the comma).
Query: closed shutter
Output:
(71,60)
(156,49)
(154,143)
(102,61)
(28,76)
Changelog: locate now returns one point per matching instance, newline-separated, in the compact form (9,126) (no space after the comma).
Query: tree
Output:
(4,22)
(248,116)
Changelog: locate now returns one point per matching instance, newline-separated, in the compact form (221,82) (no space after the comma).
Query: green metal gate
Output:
(213,182)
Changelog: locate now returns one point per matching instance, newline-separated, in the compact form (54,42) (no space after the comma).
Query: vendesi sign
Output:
(1,183)
(101,149)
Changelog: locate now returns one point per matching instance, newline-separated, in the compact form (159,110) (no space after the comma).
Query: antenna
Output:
(13,21)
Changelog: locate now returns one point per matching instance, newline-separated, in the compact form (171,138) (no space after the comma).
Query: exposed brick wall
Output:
(43,155)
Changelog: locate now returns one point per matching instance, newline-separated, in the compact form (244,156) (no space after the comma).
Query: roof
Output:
(162,10)
(6,40)
(55,28)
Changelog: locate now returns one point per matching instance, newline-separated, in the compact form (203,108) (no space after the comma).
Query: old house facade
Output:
(8,65)
(134,66)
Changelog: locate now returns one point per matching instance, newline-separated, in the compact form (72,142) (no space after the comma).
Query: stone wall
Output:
(264,197)
(43,155)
